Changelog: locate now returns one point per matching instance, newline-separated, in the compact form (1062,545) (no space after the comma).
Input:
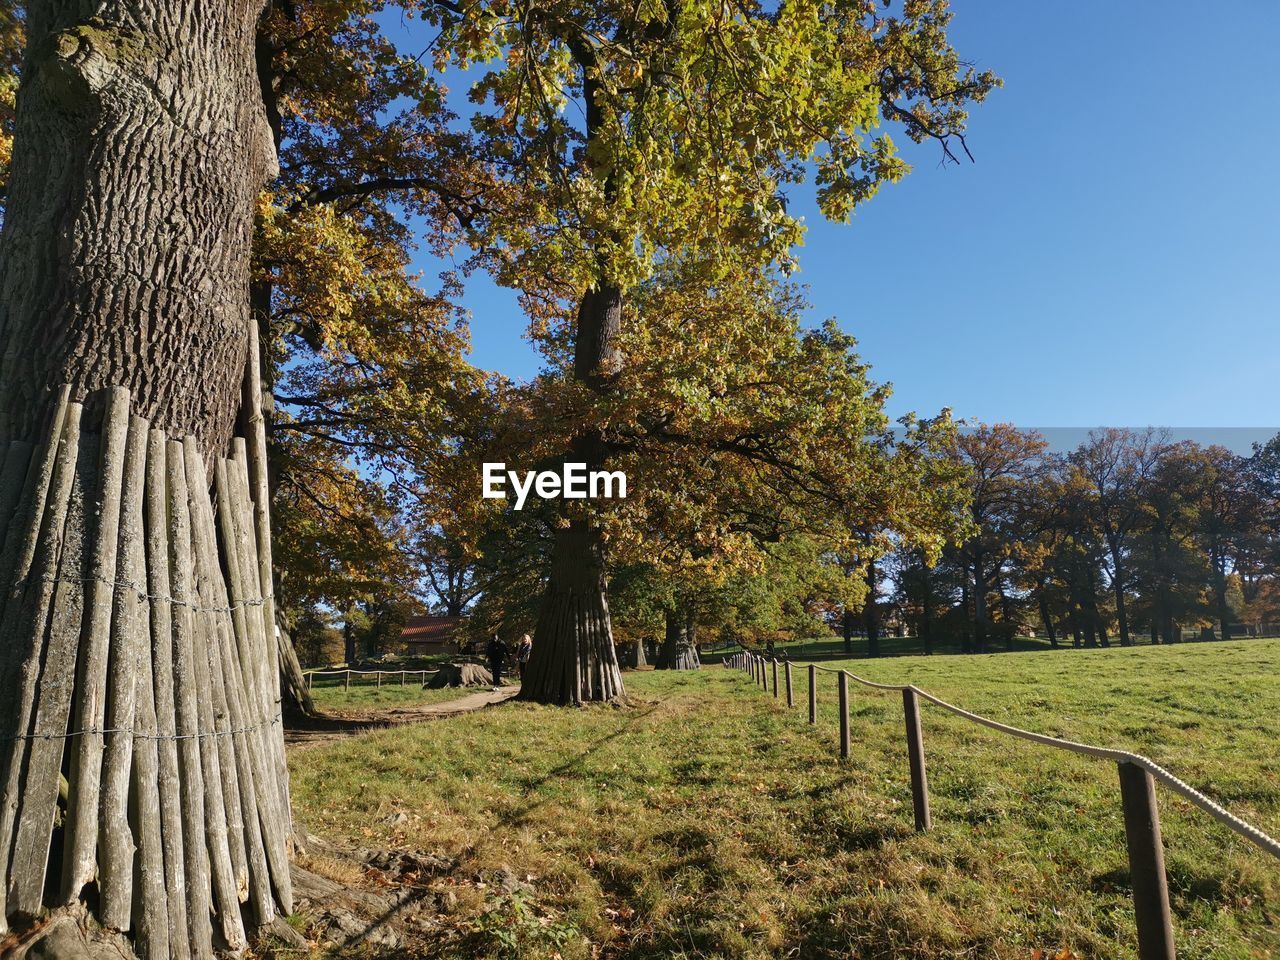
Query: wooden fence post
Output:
(402,678)
(379,679)
(308,681)
(844,715)
(1146,863)
(775,679)
(346,681)
(915,756)
(791,700)
(813,694)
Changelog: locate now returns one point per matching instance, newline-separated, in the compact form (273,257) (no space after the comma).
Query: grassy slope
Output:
(706,820)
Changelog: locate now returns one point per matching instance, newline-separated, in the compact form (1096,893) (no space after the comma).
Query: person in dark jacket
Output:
(497,657)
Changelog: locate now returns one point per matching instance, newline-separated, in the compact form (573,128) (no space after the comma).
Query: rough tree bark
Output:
(573,659)
(679,650)
(140,147)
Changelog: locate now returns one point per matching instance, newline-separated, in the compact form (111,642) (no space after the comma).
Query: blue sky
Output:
(1112,257)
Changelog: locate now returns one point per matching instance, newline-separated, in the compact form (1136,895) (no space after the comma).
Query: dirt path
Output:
(335,726)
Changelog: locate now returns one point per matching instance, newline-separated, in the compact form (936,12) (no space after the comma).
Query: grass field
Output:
(704,819)
(369,696)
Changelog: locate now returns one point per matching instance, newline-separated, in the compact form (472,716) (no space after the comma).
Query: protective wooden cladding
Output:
(141,748)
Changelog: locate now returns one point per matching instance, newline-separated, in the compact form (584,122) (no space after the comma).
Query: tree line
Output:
(1132,536)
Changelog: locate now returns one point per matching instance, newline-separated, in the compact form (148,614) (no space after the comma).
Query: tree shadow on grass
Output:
(573,765)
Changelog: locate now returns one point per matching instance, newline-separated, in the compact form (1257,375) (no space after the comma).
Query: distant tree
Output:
(1117,465)
(1226,511)
(1173,570)
(686,126)
(1002,463)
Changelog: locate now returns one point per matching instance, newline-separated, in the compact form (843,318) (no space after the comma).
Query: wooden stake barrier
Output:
(791,700)
(775,679)
(135,653)
(1146,863)
(915,757)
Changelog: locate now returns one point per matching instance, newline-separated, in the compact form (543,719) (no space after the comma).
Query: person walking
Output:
(497,657)
(523,653)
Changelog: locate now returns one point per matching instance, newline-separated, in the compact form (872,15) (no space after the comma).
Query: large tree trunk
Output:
(926,607)
(573,658)
(1219,564)
(981,619)
(140,147)
(871,611)
(679,651)
(136,653)
(1047,619)
(1117,586)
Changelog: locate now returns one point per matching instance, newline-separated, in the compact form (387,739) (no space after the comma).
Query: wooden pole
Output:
(84,776)
(346,681)
(197,849)
(775,679)
(182,932)
(1146,863)
(791,699)
(844,715)
(127,647)
(224,835)
(57,604)
(915,756)
(813,694)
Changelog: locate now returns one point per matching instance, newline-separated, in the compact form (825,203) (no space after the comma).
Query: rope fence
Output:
(1138,776)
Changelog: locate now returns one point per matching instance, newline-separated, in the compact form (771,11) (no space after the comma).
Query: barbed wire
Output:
(139,735)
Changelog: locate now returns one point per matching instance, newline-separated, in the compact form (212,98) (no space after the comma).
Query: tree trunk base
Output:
(142,762)
(461,675)
(573,659)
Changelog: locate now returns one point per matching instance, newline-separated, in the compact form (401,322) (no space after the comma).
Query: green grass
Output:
(366,694)
(704,819)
